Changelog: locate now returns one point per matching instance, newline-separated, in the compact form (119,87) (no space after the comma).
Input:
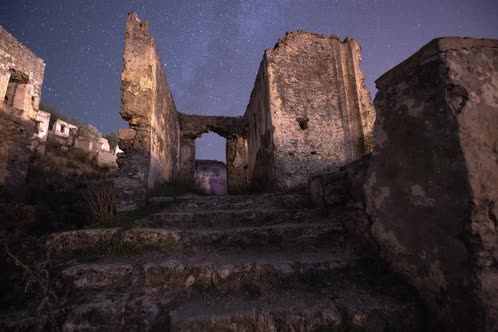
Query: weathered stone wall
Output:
(187,157)
(236,156)
(309,110)
(431,187)
(231,128)
(211,176)
(260,132)
(16,137)
(21,76)
(151,143)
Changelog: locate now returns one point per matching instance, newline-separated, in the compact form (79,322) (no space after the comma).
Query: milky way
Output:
(211,49)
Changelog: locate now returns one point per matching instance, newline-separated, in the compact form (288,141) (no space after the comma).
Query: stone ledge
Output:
(427,54)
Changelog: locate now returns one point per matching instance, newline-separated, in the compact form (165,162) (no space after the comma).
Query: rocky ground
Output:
(223,263)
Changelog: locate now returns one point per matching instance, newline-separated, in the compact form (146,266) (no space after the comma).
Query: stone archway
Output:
(233,129)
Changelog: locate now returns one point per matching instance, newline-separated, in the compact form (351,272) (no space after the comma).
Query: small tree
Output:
(89,132)
(113,139)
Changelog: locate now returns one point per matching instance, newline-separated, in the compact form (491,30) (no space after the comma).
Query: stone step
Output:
(233,202)
(133,241)
(253,272)
(228,218)
(351,310)
(116,311)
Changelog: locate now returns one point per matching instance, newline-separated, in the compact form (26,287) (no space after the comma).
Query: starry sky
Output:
(211,49)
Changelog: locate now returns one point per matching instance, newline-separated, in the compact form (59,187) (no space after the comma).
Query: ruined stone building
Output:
(63,128)
(23,127)
(308,112)
(429,187)
(211,177)
(416,195)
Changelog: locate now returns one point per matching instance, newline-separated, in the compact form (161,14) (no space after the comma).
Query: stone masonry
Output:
(431,186)
(151,143)
(309,110)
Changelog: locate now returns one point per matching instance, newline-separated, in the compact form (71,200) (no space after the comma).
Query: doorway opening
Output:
(210,164)
(17,81)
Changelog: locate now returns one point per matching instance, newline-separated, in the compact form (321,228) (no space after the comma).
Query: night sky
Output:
(211,49)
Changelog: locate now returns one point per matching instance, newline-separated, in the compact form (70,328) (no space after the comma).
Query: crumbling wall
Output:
(151,143)
(309,110)
(211,177)
(231,128)
(21,77)
(431,187)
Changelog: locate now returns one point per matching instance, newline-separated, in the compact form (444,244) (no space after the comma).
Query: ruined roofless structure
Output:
(308,112)
(23,127)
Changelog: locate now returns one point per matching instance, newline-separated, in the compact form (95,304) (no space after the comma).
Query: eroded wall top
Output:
(151,143)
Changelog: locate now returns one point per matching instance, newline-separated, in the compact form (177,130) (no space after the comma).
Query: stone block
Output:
(431,187)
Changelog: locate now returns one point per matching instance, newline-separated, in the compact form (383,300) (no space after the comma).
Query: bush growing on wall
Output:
(89,132)
(113,139)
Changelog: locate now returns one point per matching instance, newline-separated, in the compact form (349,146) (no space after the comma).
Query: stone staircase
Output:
(228,263)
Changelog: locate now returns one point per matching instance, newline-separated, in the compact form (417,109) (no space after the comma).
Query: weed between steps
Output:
(128,219)
(119,246)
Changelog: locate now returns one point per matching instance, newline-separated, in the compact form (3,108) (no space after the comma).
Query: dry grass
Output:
(101,199)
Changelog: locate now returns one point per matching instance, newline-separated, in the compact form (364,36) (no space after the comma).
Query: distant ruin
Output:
(300,121)
(24,128)
(211,177)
